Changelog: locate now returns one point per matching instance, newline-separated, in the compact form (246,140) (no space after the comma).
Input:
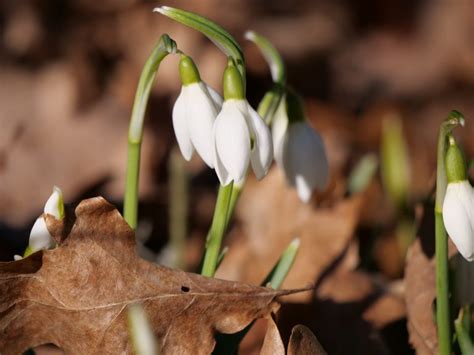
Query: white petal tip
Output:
(55,205)
(161,9)
(250,35)
(304,195)
(295,243)
(17,257)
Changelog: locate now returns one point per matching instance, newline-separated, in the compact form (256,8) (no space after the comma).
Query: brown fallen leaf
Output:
(420,288)
(272,343)
(303,341)
(256,243)
(75,296)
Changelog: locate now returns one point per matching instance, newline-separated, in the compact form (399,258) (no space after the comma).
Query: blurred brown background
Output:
(69,69)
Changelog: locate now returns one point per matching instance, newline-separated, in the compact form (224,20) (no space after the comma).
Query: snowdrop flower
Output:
(40,239)
(240,135)
(458,205)
(194,113)
(298,148)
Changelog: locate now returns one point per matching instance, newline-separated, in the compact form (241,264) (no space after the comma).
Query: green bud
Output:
(188,71)
(294,107)
(455,162)
(395,160)
(232,82)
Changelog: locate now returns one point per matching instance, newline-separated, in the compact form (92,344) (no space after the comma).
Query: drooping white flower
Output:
(194,113)
(240,135)
(458,217)
(40,238)
(458,204)
(299,149)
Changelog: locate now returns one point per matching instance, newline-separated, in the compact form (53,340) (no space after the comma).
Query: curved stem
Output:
(135,134)
(220,37)
(217,230)
(443,318)
(271,55)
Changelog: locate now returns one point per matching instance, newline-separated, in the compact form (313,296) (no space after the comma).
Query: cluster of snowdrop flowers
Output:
(40,239)
(227,135)
(458,205)
(298,148)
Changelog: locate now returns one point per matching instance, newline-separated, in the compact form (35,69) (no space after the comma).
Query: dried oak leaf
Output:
(420,289)
(303,341)
(256,243)
(75,296)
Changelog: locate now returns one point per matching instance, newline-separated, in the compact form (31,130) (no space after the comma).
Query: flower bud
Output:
(232,82)
(240,135)
(40,239)
(458,205)
(194,113)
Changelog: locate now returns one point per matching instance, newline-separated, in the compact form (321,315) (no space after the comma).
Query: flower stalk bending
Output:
(135,134)
(443,318)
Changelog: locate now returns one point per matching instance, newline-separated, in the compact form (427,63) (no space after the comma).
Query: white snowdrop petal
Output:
(279,130)
(181,129)
(17,257)
(215,96)
(200,116)
(232,140)
(54,204)
(303,189)
(40,238)
(262,152)
(456,217)
(221,171)
(320,159)
(305,157)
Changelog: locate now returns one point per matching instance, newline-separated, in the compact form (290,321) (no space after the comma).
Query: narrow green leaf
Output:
(362,174)
(464,340)
(220,37)
(271,55)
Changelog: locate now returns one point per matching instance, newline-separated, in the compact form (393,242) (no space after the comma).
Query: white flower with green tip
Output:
(298,149)
(40,238)
(240,134)
(194,114)
(458,205)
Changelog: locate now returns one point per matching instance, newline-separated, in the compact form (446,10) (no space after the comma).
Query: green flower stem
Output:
(272,98)
(229,343)
(271,55)
(135,134)
(443,318)
(220,37)
(216,232)
(464,340)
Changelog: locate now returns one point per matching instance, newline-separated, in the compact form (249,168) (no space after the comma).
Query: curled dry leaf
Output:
(420,289)
(272,343)
(257,243)
(75,296)
(303,341)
